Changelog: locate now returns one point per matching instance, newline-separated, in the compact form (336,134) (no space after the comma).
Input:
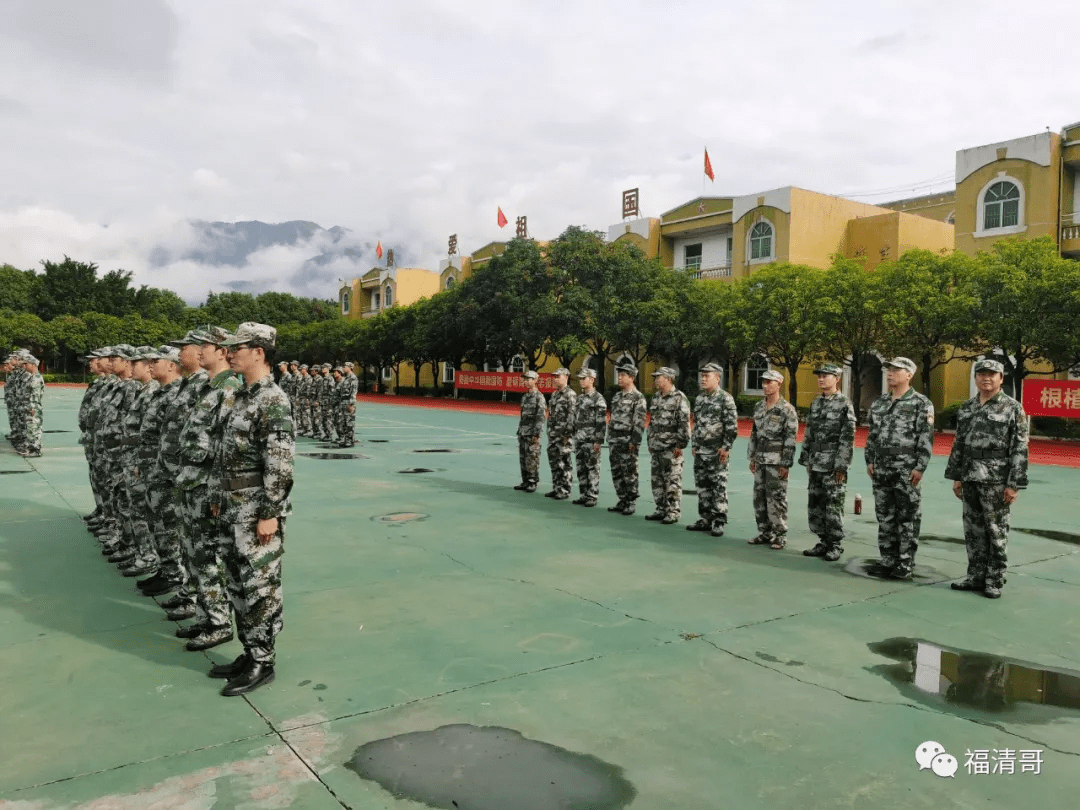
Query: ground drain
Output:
(437,450)
(56,431)
(400,517)
(490,768)
(325,456)
(940,538)
(14,472)
(418,470)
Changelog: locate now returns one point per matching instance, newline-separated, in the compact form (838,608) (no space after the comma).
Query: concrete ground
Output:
(687,671)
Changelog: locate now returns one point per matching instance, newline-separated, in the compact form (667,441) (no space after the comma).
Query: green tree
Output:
(18,289)
(25,330)
(113,294)
(66,288)
(154,303)
(68,334)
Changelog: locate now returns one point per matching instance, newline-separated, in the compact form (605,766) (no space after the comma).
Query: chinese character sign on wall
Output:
(630,203)
(1052,398)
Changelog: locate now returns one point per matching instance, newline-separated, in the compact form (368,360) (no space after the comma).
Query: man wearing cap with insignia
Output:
(347,407)
(771,453)
(624,432)
(669,433)
(988,468)
(254,468)
(590,422)
(827,446)
(560,427)
(898,449)
(33,396)
(716,426)
(530,429)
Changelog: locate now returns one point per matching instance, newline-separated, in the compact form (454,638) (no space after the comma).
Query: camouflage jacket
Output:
(350,384)
(561,413)
(531,423)
(177,409)
(901,433)
(627,423)
(991,445)
(669,421)
(830,434)
(97,405)
(114,408)
(16,381)
(35,393)
(327,396)
(132,422)
(153,422)
(590,418)
(201,432)
(254,461)
(307,388)
(716,422)
(772,435)
(88,401)
(287,383)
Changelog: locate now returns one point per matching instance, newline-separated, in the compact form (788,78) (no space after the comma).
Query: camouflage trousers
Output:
(346,429)
(624,471)
(770,501)
(667,483)
(302,414)
(529,458)
(329,422)
(206,572)
(17,420)
(113,498)
(710,479)
(253,576)
(560,460)
(825,507)
(136,517)
(986,532)
(316,421)
(898,507)
(88,451)
(587,458)
(32,428)
(165,510)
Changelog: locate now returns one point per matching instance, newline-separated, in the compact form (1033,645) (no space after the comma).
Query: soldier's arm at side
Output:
(1016,476)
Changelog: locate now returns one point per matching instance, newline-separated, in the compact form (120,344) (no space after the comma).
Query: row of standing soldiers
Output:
(324,400)
(24,398)
(988,461)
(190,450)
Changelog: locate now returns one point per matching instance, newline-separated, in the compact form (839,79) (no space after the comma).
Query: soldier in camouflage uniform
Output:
(98,522)
(771,453)
(328,405)
(560,427)
(108,440)
(988,465)
(85,407)
(14,397)
(136,517)
(530,429)
(302,403)
(669,433)
(826,453)
(347,407)
(716,426)
(33,408)
(898,450)
(283,380)
(254,466)
(624,432)
(590,422)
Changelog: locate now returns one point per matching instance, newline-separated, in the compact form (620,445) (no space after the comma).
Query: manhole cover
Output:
(14,472)
(437,450)
(56,431)
(400,517)
(417,470)
(332,455)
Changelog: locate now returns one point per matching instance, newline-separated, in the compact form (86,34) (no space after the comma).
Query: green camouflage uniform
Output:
(826,450)
(347,410)
(560,430)
(900,440)
(116,493)
(254,466)
(669,430)
(716,426)
(772,447)
(14,394)
(989,455)
(590,422)
(624,432)
(160,499)
(318,407)
(530,429)
(137,518)
(328,407)
(86,438)
(33,411)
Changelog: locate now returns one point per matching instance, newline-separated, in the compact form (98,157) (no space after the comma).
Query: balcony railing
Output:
(1070,226)
(717,271)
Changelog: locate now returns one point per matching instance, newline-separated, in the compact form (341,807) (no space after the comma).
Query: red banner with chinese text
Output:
(500,381)
(1052,398)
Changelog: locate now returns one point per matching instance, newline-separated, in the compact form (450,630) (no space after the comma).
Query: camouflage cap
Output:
(349,364)
(530,375)
(146,353)
(294,362)
(775,376)
(900,362)
(125,351)
(171,353)
(561,372)
(283,362)
(325,366)
(29,358)
(254,334)
(829,368)
(627,368)
(304,367)
(993,366)
(194,337)
(587,372)
(710,368)
(666,371)
(219,336)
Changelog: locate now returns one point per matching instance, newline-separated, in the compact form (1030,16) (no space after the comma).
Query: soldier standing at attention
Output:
(530,429)
(283,380)
(302,402)
(988,467)
(624,432)
(254,466)
(716,426)
(328,405)
(771,453)
(669,433)
(826,454)
(898,450)
(590,421)
(561,413)
(14,392)
(33,397)
(347,428)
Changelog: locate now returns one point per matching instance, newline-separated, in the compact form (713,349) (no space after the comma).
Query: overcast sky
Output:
(408,121)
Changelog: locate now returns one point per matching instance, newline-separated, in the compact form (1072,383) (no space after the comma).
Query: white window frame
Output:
(387,374)
(449,282)
(388,296)
(376,299)
(771,257)
(517,364)
(447,372)
(746,375)
(493,366)
(980,222)
(687,263)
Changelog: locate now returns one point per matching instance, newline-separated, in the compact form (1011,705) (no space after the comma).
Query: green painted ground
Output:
(713,673)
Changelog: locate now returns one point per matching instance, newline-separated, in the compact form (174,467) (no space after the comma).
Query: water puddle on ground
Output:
(411,470)
(940,538)
(325,456)
(465,767)
(56,431)
(14,472)
(1053,534)
(438,450)
(870,568)
(933,673)
(400,517)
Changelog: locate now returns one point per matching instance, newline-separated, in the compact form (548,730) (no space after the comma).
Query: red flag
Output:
(502,219)
(378,249)
(708,167)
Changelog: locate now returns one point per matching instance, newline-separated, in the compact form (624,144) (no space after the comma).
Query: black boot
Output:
(230,670)
(256,674)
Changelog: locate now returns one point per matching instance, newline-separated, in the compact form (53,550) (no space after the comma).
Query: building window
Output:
(730,245)
(492,366)
(692,257)
(755,367)
(517,364)
(447,372)
(449,282)
(1001,206)
(388,297)
(374,300)
(761,238)
(951,218)
(345,301)
(386,373)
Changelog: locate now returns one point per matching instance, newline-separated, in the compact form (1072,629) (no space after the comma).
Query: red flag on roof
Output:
(502,219)
(708,167)
(378,249)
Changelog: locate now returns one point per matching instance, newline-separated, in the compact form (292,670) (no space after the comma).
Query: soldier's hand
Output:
(753,467)
(677,452)
(536,440)
(958,489)
(633,448)
(916,477)
(265,530)
(1010,495)
(723,455)
(352,409)
(596,447)
(870,470)
(841,476)
(215,509)
(783,473)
